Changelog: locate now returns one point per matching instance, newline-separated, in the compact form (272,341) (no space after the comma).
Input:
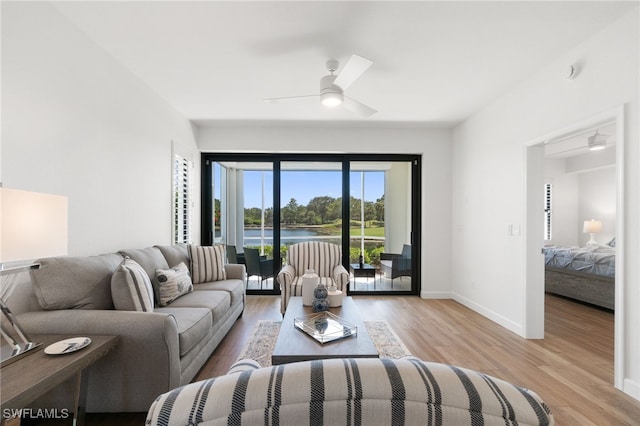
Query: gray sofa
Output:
(157,351)
(367,391)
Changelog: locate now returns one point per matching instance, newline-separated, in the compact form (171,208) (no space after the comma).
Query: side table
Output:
(364,271)
(30,377)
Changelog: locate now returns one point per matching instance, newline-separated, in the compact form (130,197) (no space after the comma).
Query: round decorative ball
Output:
(320,305)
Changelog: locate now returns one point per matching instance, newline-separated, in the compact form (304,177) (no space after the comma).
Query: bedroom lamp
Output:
(32,226)
(592,227)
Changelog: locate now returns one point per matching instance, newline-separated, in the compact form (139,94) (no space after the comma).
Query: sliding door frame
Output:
(276,160)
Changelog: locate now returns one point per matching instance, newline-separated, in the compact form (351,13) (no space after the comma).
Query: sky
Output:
(305,185)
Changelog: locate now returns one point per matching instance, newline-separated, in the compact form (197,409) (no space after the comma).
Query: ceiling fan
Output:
(332,86)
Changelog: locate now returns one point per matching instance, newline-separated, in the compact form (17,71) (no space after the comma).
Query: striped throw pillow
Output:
(172,283)
(131,287)
(207,263)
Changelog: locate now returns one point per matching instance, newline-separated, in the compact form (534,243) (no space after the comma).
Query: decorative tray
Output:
(325,327)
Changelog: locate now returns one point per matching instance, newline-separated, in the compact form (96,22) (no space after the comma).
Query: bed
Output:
(586,274)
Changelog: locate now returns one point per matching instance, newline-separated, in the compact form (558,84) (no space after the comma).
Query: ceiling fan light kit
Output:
(597,141)
(332,86)
(330,94)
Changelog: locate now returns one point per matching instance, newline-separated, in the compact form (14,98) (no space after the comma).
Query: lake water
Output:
(287,236)
(297,235)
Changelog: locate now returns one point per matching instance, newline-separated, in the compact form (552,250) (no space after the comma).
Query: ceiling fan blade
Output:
(288,98)
(357,107)
(355,66)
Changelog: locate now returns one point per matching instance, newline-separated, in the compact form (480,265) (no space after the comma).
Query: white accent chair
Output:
(324,258)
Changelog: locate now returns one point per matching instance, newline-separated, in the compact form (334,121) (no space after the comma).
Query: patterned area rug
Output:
(264,335)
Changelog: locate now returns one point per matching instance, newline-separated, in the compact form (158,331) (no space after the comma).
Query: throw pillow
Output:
(131,288)
(172,283)
(207,263)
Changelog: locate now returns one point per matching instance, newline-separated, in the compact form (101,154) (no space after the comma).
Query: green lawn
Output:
(368,232)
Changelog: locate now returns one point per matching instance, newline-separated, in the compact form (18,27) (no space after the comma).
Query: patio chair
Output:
(324,258)
(396,265)
(258,265)
(233,256)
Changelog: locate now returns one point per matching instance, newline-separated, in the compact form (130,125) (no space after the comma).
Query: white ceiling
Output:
(434,62)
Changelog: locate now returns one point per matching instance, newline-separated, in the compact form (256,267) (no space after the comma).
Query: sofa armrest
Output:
(147,352)
(341,277)
(236,271)
(285,277)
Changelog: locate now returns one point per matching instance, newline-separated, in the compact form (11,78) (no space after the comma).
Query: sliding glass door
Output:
(310,203)
(380,226)
(367,204)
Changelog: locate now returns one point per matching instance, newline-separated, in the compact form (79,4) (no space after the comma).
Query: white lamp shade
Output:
(32,225)
(592,226)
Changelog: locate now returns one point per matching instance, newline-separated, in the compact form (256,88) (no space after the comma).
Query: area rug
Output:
(264,335)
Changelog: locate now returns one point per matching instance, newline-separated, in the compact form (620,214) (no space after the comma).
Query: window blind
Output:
(547,211)
(182,200)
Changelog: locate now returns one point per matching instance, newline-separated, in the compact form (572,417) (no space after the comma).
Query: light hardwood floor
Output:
(571,369)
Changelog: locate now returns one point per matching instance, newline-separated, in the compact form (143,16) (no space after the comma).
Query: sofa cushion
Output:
(131,288)
(235,288)
(172,283)
(218,302)
(149,258)
(176,254)
(207,263)
(75,282)
(193,325)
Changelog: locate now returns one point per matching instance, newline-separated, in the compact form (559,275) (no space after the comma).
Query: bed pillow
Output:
(131,288)
(172,283)
(207,263)
(612,243)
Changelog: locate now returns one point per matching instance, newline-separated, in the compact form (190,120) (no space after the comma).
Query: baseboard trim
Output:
(493,316)
(436,295)
(631,388)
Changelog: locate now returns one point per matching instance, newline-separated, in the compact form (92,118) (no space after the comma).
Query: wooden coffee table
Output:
(294,345)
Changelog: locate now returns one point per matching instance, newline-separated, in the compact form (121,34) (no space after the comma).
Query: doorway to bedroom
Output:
(574,185)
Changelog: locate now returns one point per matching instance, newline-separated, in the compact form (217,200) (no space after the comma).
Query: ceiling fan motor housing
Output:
(330,94)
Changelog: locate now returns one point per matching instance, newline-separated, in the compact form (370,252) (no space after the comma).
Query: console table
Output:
(30,377)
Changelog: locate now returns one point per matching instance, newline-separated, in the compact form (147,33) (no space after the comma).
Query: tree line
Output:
(319,211)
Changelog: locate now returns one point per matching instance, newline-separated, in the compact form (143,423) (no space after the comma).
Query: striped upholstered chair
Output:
(324,258)
(363,391)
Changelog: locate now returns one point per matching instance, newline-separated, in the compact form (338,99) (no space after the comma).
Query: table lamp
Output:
(32,226)
(592,227)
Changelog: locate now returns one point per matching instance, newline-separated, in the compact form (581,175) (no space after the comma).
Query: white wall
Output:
(584,187)
(488,177)
(76,123)
(564,210)
(597,200)
(433,144)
